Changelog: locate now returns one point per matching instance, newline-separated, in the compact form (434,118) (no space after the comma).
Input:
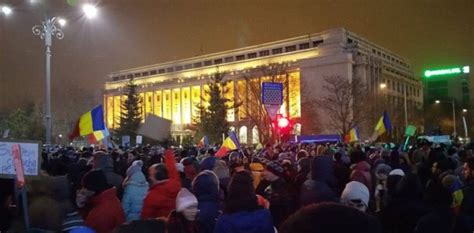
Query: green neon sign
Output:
(454,70)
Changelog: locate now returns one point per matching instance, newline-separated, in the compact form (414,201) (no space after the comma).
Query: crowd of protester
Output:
(284,188)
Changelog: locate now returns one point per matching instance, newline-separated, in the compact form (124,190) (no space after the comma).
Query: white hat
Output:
(355,190)
(179,167)
(397,172)
(185,199)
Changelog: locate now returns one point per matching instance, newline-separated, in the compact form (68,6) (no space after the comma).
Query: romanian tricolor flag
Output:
(227,145)
(353,135)
(383,125)
(97,136)
(89,123)
(204,142)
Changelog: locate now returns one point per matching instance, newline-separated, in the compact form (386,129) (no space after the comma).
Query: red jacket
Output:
(161,198)
(106,213)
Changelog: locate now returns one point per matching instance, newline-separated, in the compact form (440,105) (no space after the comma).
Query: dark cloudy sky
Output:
(131,33)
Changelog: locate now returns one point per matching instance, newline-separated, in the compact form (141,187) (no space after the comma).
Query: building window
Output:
(188,66)
(145,73)
(137,74)
(178,68)
(169,69)
(129,76)
(240,57)
(207,63)
(218,61)
(197,64)
(153,72)
(290,48)
(277,51)
(116,78)
(251,55)
(304,46)
(255,137)
(264,53)
(243,134)
(229,59)
(317,43)
(161,71)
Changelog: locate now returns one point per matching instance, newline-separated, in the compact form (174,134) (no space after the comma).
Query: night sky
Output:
(130,33)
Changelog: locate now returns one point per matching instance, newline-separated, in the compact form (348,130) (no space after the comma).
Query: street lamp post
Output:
(46,32)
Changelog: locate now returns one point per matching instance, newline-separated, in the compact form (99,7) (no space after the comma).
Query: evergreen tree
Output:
(24,123)
(212,120)
(130,114)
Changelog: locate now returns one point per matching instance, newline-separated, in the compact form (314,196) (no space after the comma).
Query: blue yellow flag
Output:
(92,121)
(234,138)
(383,125)
(204,142)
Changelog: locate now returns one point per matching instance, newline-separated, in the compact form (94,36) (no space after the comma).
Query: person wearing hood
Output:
(242,212)
(183,218)
(136,187)
(361,172)
(320,186)
(106,212)
(206,188)
(303,169)
(466,216)
(281,194)
(104,161)
(341,171)
(165,185)
(381,174)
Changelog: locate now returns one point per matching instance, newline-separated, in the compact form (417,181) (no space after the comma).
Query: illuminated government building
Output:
(173,89)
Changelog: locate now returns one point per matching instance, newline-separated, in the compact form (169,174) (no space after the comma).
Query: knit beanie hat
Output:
(185,199)
(397,172)
(135,167)
(208,163)
(355,190)
(275,168)
(382,171)
(95,180)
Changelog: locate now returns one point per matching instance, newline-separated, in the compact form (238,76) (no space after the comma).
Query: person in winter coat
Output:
(165,185)
(441,218)
(242,212)
(465,221)
(356,195)
(330,218)
(341,172)
(105,162)
(206,188)
(106,212)
(320,188)
(135,190)
(405,208)
(361,173)
(281,194)
(183,218)
(303,169)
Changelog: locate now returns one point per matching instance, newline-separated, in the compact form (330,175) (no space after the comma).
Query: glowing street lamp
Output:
(89,10)
(464,110)
(47,30)
(437,101)
(62,22)
(383,86)
(6,10)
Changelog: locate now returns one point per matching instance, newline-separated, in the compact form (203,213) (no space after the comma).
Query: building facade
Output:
(173,89)
(450,86)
